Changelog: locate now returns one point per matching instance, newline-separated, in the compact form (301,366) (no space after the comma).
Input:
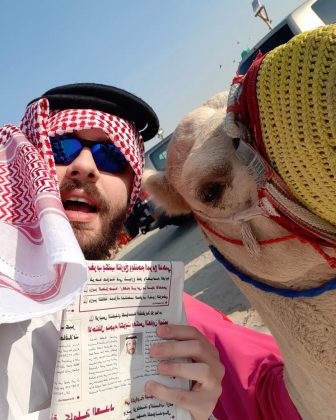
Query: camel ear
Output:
(164,194)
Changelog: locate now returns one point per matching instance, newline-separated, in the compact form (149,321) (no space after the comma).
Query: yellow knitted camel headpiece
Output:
(288,101)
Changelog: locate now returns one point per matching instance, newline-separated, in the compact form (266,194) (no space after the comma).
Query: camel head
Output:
(203,174)
(272,136)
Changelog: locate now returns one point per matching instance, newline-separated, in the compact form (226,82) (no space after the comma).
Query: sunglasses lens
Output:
(65,150)
(109,158)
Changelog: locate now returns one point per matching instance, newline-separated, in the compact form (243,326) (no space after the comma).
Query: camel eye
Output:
(211,192)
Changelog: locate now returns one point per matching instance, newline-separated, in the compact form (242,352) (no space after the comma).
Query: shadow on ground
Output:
(211,285)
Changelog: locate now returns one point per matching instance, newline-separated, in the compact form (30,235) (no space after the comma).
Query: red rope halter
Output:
(330,260)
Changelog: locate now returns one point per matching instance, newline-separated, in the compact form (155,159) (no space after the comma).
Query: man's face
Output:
(95,202)
(131,346)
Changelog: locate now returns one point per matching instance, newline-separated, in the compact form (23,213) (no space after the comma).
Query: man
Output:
(95,135)
(131,344)
(130,354)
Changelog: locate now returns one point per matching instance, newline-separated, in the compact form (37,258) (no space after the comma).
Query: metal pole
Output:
(260,11)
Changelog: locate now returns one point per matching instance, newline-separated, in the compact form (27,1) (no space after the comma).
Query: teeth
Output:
(81,200)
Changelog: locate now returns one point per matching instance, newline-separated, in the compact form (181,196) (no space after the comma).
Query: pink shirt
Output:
(253,384)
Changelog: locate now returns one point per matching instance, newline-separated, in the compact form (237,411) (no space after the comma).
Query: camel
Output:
(206,174)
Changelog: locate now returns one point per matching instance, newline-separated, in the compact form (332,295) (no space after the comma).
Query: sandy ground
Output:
(205,279)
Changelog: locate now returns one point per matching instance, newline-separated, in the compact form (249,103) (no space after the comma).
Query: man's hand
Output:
(206,372)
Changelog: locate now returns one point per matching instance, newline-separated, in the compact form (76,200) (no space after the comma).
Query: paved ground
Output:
(204,277)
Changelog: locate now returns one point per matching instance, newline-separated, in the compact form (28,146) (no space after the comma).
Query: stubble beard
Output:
(97,245)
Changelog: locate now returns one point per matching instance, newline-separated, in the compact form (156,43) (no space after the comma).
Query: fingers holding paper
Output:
(206,372)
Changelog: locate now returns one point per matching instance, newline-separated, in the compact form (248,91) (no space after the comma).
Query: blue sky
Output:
(168,52)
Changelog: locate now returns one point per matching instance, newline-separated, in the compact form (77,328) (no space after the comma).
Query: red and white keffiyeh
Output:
(42,268)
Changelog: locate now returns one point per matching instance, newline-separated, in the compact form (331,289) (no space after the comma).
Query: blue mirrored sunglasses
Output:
(106,155)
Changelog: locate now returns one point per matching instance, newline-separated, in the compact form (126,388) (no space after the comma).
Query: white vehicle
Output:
(310,15)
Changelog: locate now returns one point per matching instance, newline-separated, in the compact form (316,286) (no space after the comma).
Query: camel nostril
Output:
(236,142)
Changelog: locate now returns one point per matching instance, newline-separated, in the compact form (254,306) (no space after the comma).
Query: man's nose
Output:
(83,167)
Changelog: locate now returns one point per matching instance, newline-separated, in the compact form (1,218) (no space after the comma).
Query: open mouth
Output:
(80,209)
(79,205)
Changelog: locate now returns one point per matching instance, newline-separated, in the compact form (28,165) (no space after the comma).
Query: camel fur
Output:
(205,176)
